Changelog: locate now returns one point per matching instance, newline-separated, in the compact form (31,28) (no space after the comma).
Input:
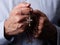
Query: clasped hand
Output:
(16,23)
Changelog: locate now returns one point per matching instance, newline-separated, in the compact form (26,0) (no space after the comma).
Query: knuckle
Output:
(17,18)
(17,13)
(26,10)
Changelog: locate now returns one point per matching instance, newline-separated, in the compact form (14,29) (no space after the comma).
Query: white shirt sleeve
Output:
(2,38)
(3,16)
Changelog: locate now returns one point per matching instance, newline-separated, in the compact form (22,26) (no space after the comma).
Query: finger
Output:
(26,11)
(14,27)
(23,11)
(21,18)
(18,18)
(22,27)
(19,30)
(21,5)
(24,24)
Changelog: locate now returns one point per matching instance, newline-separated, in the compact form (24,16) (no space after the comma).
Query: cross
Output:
(29,20)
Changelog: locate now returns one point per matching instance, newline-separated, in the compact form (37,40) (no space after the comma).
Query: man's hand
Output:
(16,22)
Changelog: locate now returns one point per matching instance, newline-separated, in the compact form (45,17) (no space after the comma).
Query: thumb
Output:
(24,4)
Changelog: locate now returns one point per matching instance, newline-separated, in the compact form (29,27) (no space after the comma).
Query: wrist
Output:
(6,35)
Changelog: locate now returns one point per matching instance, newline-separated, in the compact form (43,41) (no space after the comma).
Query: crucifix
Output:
(29,20)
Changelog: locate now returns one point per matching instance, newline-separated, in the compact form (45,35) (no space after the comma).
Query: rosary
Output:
(29,19)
